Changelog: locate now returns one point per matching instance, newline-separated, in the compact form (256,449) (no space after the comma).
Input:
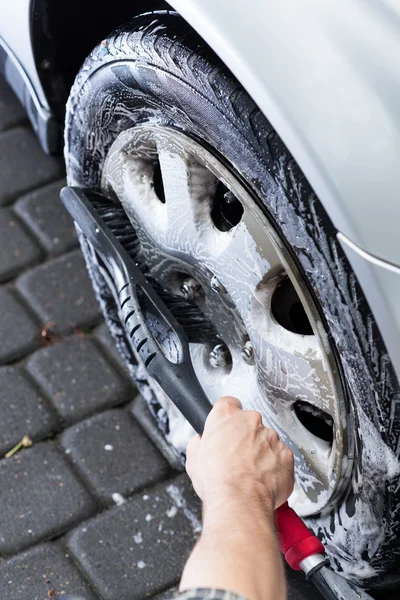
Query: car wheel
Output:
(225,217)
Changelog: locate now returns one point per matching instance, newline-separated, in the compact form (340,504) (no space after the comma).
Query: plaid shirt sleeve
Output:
(208,594)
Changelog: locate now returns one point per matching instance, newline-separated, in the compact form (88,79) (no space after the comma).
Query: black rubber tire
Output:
(157,68)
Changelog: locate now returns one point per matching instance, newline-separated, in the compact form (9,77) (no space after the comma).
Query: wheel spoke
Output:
(241,262)
(131,179)
(293,368)
(188,188)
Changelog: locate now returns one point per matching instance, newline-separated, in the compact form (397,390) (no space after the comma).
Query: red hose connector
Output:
(297,542)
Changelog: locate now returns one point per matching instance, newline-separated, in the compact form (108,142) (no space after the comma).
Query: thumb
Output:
(224,408)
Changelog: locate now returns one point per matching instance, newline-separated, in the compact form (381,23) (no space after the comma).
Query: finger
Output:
(273,438)
(288,457)
(287,474)
(231,400)
(223,408)
(227,405)
(254,417)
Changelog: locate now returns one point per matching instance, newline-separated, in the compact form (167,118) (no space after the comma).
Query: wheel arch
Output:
(42,46)
(64,33)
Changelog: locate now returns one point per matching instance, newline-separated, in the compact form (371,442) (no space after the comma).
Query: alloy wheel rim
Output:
(205,237)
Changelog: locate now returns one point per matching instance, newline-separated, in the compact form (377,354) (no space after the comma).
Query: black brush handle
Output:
(184,391)
(335,587)
(177,379)
(175,376)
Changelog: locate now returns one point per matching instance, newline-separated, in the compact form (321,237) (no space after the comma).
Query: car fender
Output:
(327,76)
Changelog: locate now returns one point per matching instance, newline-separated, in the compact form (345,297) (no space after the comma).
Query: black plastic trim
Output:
(45,126)
(64,33)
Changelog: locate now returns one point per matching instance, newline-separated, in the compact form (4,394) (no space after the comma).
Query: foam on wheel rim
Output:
(250,263)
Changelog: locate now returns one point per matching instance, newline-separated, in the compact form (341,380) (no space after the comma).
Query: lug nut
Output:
(248,353)
(217,286)
(229,197)
(220,356)
(190,288)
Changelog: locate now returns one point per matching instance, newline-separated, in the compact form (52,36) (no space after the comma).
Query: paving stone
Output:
(17,248)
(23,164)
(61,294)
(139,548)
(43,212)
(40,497)
(114,455)
(23,410)
(45,571)
(78,379)
(19,332)
(11,111)
(141,412)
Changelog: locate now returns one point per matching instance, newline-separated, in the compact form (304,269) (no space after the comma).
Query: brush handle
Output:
(335,587)
(183,388)
(296,541)
(174,373)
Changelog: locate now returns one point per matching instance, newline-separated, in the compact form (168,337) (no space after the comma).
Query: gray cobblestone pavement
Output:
(93,507)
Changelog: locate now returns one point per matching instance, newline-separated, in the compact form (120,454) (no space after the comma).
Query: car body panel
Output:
(381,285)
(327,76)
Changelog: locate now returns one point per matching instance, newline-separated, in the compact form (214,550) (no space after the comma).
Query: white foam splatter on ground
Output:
(148,517)
(138,538)
(177,498)
(141,564)
(118,499)
(171,512)
(108,447)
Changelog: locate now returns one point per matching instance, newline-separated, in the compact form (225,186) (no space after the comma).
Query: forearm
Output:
(238,551)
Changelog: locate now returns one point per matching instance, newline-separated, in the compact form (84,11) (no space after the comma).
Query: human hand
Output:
(238,458)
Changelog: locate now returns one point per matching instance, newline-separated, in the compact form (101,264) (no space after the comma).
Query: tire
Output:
(202,98)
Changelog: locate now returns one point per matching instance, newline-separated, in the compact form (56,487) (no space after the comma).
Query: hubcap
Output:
(203,236)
